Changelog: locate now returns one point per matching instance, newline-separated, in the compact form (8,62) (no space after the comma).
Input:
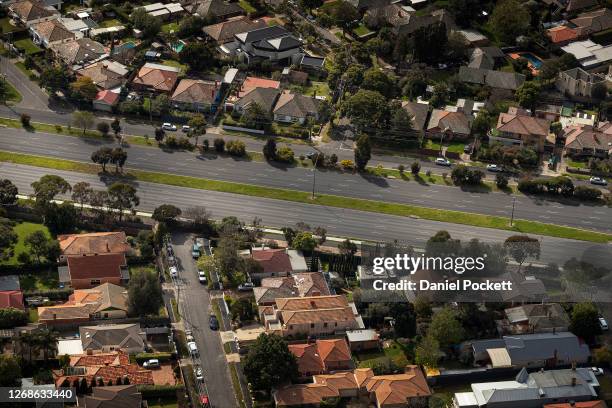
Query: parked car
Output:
(246,286)
(213,323)
(195,251)
(600,181)
(152,363)
(36,300)
(186,128)
(174,271)
(169,126)
(199,373)
(467,148)
(443,161)
(494,168)
(202,277)
(597,371)
(189,336)
(603,324)
(193,348)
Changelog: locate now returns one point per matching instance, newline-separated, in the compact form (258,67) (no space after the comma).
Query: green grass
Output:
(236,385)
(361,30)
(22,230)
(61,130)
(404,210)
(40,280)
(23,68)
(170,27)
(454,147)
(6,27)
(175,310)
(110,23)
(172,63)
(26,45)
(227,348)
(32,315)
(13,94)
(246,6)
(576,164)
(317,88)
(394,353)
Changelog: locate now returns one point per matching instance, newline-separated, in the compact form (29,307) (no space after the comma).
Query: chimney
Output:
(89,352)
(573,381)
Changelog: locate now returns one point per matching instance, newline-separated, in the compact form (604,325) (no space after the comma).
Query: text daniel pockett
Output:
(454,285)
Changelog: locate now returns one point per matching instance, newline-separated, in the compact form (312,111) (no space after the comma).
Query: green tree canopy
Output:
(363,151)
(269,363)
(509,20)
(144,293)
(584,321)
(446,328)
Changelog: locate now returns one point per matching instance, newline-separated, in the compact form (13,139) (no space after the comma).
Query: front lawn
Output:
(453,147)
(27,46)
(22,230)
(576,164)
(13,94)
(176,64)
(6,26)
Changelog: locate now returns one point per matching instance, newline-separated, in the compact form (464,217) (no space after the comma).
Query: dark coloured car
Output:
(213,323)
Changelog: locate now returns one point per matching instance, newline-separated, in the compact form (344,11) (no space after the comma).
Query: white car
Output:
(199,374)
(443,161)
(597,371)
(494,168)
(152,363)
(202,277)
(173,271)
(186,128)
(169,126)
(600,181)
(246,286)
(603,324)
(193,348)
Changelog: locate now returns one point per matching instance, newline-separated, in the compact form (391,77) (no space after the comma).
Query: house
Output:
(486,58)
(301,284)
(79,52)
(86,271)
(312,63)
(589,54)
(455,125)
(384,391)
(31,12)
(585,404)
(129,338)
(295,108)
(366,339)
(495,79)
(532,350)
(278,262)
(224,32)
(251,83)
(106,301)
(124,396)
(274,44)
(592,22)
(517,127)
(164,11)
(405,23)
(264,97)
(106,101)
(107,74)
(51,32)
(103,368)
(534,318)
(562,35)
(587,141)
(196,95)
(312,316)
(93,243)
(532,390)
(216,10)
(78,26)
(419,113)
(570,6)
(156,78)
(11,299)
(578,83)
(474,38)
(322,357)
(368,4)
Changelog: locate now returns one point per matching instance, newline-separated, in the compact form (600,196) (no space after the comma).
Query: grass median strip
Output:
(404,210)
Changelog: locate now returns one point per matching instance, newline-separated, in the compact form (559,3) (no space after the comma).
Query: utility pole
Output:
(512,215)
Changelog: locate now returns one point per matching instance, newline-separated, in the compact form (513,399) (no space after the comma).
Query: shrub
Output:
(333,160)
(25,119)
(587,193)
(347,164)
(205,145)
(219,144)
(284,155)
(462,175)
(236,148)
(501,180)
(11,317)
(103,128)
(415,168)
(401,168)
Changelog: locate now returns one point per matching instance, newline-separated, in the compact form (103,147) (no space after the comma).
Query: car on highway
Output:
(202,277)
(169,126)
(603,324)
(186,128)
(174,271)
(597,371)
(495,168)
(152,363)
(600,181)
(246,286)
(443,161)
(199,373)
(213,322)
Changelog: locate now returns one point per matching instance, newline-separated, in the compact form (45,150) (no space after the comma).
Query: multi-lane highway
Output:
(560,212)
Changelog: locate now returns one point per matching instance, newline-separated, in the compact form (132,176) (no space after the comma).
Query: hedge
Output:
(52,294)
(159,391)
(142,357)
(154,321)
(24,270)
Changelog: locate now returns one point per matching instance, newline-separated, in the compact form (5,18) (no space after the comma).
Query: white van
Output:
(193,348)
(152,363)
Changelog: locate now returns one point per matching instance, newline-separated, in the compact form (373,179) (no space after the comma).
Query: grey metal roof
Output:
(262,34)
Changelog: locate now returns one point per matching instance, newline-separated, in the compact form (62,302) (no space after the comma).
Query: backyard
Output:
(27,46)
(22,230)
(395,352)
(39,280)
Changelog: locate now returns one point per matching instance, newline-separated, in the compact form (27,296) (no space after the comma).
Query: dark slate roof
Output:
(419,112)
(494,79)
(312,61)
(262,34)
(278,43)
(266,97)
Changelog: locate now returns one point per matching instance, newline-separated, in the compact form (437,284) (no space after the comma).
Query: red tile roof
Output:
(273,260)
(11,298)
(561,34)
(96,266)
(585,404)
(251,83)
(93,243)
(322,356)
(107,97)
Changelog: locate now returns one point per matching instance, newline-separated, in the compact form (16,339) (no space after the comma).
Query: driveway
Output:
(32,96)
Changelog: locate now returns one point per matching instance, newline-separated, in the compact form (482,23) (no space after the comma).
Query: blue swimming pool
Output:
(535,61)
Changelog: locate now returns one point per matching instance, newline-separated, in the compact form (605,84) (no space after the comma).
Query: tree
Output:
(310,4)
(4,90)
(219,144)
(365,108)
(166,213)
(10,371)
(599,91)
(304,241)
(482,123)
(190,26)
(347,247)
(255,116)
(54,78)
(116,126)
(269,363)
(242,309)
(8,238)
(422,307)
(415,168)
(11,317)
(198,55)
(25,120)
(528,95)
(197,126)
(269,149)
(8,192)
(48,187)
(122,197)
(584,321)
(446,328)
(60,219)
(47,342)
(400,120)
(375,79)
(363,151)
(509,20)
(118,157)
(465,11)
(103,128)
(501,180)
(81,193)
(84,88)
(521,247)
(236,148)
(344,15)
(102,156)
(38,243)
(144,293)
(285,154)
(148,24)
(427,352)
(424,37)
(83,120)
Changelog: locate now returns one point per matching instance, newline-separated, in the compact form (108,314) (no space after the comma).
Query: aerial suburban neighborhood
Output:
(306,203)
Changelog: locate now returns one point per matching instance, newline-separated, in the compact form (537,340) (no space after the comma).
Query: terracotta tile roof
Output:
(311,303)
(318,316)
(85,302)
(96,266)
(93,243)
(251,83)
(333,350)
(53,31)
(456,122)
(308,359)
(296,105)
(102,359)
(31,10)
(561,34)
(195,91)
(362,375)
(339,381)
(584,404)
(151,75)
(298,284)
(587,138)
(108,367)
(522,124)
(225,31)
(273,260)
(108,97)
(315,358)
(303,394)
(397,389)
(105,74)
(11,298)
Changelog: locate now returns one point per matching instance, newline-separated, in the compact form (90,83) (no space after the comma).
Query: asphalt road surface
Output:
(195,298)
(339,222)
(32,96)
(561,212)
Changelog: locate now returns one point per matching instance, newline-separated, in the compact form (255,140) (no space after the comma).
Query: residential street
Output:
(569,213)
(32,96)
(338,221)
(195,308)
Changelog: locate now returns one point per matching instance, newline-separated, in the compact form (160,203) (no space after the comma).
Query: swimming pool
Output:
(535,61)
(178,46)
